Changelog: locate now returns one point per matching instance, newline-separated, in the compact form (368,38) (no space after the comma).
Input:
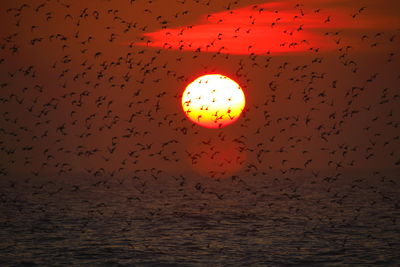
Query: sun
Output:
(213,101)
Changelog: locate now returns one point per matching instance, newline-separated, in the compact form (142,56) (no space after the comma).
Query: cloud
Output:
(274,27)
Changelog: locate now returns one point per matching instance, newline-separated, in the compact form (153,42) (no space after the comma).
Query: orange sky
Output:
(84,92)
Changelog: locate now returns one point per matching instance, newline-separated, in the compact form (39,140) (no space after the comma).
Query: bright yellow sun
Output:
(213,101)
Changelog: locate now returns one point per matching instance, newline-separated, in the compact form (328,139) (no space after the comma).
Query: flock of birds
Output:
(79,98)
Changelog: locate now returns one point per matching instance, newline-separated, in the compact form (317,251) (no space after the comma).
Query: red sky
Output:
(84,92)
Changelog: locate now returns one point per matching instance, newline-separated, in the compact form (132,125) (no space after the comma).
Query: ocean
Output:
(178,220)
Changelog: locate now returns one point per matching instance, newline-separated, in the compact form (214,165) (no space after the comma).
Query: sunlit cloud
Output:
(274,27)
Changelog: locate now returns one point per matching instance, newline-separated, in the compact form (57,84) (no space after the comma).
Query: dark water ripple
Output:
(101,227)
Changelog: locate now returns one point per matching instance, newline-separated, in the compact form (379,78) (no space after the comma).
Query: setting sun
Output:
(213,101)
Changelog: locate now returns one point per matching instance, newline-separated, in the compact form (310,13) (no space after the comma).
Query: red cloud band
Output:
(259,29)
